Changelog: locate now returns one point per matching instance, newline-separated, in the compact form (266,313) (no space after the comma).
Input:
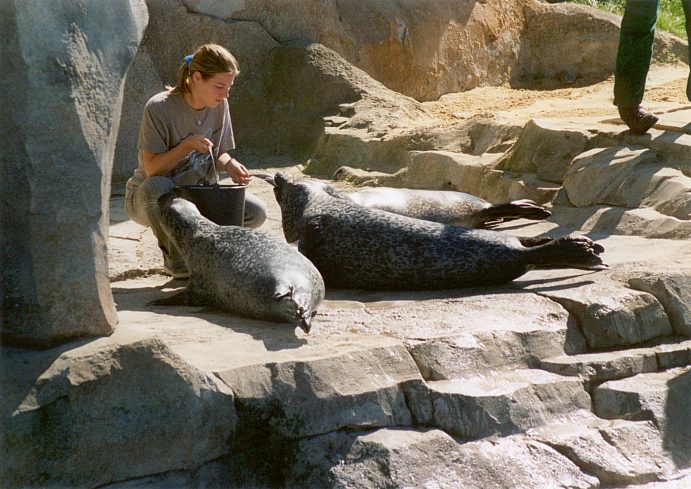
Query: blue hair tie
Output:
(188,59)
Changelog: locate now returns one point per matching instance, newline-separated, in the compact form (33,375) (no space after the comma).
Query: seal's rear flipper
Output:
(526,209)
(180,299)
(568,252)
(530,242)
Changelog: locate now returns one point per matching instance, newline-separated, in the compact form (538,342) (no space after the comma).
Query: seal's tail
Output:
(568,252)
(526,209)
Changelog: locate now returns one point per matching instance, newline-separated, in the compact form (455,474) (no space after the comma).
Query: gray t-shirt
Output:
(167,120)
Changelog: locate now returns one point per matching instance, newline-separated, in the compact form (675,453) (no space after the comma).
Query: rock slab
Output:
(58,138)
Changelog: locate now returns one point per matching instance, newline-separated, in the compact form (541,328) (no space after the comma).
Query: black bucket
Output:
(222,204)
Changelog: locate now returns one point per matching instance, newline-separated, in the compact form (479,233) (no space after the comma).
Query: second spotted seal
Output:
(446,206)
(357,247)
(240,270)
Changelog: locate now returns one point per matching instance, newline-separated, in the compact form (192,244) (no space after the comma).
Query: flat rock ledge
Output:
(528,385)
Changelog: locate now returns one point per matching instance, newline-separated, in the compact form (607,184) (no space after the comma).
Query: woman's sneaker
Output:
(638,120)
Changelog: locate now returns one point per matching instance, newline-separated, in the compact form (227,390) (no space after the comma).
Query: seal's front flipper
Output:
(180,299)
(299,304)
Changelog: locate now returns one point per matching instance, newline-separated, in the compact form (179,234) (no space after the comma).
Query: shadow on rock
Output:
(20,370)
(274,336)
(557,286)
(366,296)
(678,419)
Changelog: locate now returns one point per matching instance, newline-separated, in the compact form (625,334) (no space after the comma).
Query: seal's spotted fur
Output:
(446,206)
(353,246)
(241,270)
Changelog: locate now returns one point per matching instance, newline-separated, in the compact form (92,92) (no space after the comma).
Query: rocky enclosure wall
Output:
(421,49)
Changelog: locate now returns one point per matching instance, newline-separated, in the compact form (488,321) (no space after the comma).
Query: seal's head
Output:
(293,196)
(180,219)
(300,198)
(178,209)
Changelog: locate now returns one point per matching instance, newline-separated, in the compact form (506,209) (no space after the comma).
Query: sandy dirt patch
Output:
(666,87)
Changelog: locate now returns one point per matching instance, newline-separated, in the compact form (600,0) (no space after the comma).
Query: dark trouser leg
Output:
(687,12)
(635,51)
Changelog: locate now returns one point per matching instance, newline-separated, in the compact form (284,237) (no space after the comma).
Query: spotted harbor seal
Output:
(446,206)
(357,247)
(240,270)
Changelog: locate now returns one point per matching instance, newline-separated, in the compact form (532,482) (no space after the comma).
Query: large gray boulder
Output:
(108,410)
(616,452)
(432,459)
(64,67)
(662,397)
(628,177)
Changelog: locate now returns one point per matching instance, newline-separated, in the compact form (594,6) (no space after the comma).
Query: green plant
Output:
(670,18)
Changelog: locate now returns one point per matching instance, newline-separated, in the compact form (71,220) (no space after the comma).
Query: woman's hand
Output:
(162,163)
(197,142)
(237,171)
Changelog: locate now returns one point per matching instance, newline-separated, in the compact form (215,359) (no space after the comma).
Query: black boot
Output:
(638,120)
